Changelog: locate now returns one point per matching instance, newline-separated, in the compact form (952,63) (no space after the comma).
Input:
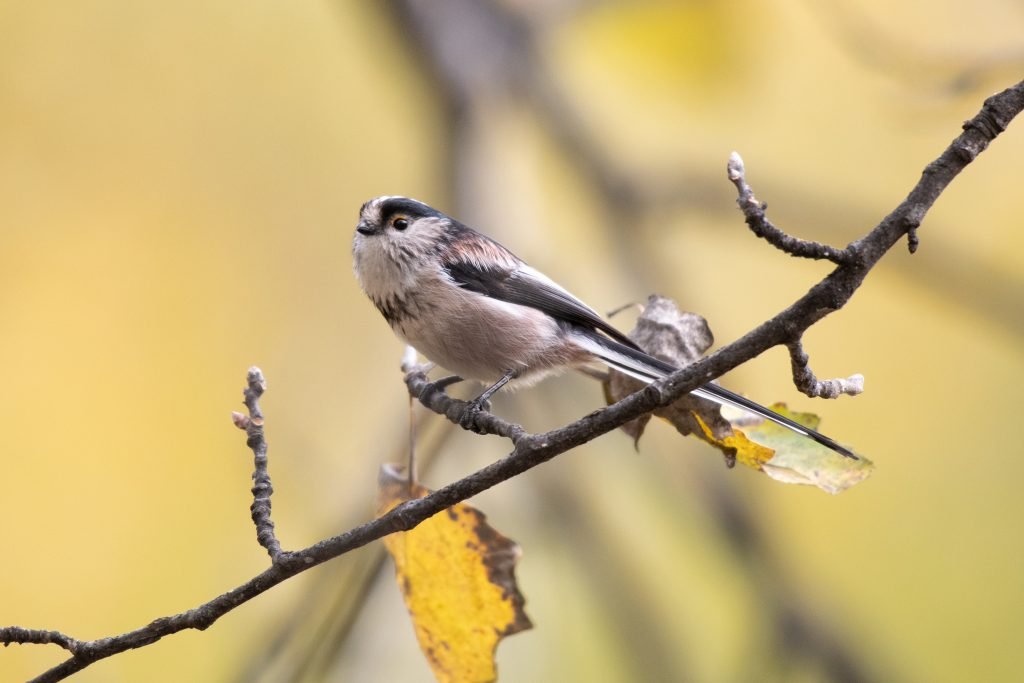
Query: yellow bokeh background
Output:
(178,188)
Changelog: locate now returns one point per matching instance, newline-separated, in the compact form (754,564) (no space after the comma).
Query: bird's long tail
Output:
(646,368)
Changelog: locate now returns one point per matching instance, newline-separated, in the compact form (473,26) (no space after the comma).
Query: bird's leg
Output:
(479,403)
(493,389)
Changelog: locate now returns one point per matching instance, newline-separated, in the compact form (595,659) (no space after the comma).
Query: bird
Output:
(470,305)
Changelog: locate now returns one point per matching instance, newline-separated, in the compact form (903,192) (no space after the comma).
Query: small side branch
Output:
(913,241)
(26,636)
(261,488)
(433,396)
(754,213)
(806,382)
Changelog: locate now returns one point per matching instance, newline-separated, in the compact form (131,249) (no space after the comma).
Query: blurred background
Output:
(178,188)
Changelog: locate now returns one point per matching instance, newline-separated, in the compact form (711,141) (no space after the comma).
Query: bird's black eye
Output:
(400,223)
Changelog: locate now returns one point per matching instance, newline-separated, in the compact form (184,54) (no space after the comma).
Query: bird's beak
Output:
(364,229)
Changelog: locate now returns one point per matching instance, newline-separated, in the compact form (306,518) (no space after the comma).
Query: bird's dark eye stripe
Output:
(400,224)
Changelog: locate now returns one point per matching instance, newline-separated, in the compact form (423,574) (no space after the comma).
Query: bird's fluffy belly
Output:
(481,338)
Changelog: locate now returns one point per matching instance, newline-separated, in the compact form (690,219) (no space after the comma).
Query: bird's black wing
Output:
(501,275)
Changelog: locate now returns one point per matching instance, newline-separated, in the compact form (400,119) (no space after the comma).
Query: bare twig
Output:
(16,634)
(531,450)
(261,488)
(806,382)
(431,394)
(754,212)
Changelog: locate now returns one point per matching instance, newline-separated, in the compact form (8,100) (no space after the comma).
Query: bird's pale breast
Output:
(478,337)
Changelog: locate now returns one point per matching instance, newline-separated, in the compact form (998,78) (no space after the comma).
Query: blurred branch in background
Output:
(800,635)
(915,66)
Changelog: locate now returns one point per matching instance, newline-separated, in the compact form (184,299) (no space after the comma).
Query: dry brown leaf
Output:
(457,576)
(679,338)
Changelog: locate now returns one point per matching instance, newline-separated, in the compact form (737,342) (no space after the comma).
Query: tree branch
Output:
(531,450)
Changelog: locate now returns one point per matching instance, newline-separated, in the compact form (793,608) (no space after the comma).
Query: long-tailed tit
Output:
(471,306)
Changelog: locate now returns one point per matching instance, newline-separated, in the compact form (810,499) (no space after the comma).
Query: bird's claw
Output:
(473,409)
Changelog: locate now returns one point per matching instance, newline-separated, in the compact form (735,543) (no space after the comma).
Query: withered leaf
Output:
(679,338)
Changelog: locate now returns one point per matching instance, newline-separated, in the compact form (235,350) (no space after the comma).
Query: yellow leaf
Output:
(456,574)
(745,451)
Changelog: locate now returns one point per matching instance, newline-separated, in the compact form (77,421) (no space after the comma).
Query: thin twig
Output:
(432,395)
(806,382)
(754,212)
(261,488)
(16,634)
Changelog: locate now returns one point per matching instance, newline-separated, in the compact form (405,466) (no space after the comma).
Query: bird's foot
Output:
(481,404)
(473,409)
